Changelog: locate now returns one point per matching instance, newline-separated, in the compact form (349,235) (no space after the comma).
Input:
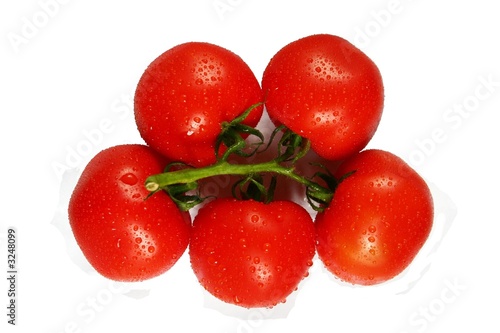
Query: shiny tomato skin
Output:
(186,93)
(378,220)
(328,91)
(122,235)
(249,253)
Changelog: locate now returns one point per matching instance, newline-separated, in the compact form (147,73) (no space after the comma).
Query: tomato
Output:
(325,89)
(185,95)
(378,220)
(249,253)
(122,235)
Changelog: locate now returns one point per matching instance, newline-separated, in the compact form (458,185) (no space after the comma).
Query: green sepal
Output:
(291,146)
(232,135)
(319,197)
(178,194)
(252,187)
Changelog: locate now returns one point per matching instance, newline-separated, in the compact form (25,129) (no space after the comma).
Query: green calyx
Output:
(181,181)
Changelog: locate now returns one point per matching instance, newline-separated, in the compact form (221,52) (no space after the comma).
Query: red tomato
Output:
(123,236)
(325,89)
(249,253)
(378,220)
(186,93)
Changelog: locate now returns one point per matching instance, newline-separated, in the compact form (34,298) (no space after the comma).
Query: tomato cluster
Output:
(132,213)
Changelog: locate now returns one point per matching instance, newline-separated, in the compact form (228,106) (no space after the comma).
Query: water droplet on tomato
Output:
(129,179)
(151,249)
(371,239)
(136,227)
(372,229)
(266,247)
(138,240)
(318,69)
(212,261)
(252,269)
(255,218)
(256,260)
(372,252)
(243,242)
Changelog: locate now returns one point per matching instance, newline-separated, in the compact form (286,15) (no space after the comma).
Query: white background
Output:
(68,69)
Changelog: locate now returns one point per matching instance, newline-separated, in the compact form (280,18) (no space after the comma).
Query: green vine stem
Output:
(157,182)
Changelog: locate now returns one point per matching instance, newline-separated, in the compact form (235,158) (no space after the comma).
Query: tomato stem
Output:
(191,175)
(185,176)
